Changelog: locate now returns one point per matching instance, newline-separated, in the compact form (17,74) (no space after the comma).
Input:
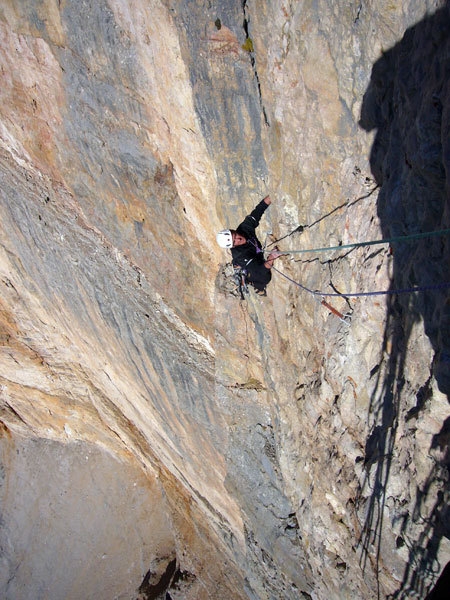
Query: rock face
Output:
(160,437)
(73,509)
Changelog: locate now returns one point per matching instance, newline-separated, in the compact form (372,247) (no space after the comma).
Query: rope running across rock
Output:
(403,238)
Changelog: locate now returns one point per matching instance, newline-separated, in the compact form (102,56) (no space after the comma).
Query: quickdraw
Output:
(240,276)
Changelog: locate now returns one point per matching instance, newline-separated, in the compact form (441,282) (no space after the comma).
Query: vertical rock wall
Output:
(257,449)
(70,513)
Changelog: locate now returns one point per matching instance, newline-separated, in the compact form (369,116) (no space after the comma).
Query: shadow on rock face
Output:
(408,104)
(440,590)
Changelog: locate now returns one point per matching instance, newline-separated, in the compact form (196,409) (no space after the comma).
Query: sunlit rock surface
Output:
(159,435)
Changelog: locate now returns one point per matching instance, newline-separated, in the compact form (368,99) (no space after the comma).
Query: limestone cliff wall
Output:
(162,435)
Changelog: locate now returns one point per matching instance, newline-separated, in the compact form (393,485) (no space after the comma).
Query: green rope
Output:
(402,238)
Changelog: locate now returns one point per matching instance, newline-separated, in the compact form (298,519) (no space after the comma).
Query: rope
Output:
(347,204)
(422,288)
(402,238)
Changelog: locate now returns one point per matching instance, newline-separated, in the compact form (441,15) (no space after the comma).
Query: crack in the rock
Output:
(334,288)
(249,45)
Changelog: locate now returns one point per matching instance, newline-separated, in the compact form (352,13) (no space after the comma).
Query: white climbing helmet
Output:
(224,238)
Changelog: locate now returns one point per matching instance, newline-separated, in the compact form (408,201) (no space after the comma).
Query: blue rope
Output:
(401,238)
(422,288)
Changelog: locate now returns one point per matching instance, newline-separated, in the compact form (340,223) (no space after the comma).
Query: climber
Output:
(246,249)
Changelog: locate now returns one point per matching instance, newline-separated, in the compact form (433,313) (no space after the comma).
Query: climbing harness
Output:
(240,275)
(258,250)
(234,279)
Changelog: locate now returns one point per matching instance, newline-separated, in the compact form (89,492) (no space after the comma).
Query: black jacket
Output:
(250,255)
